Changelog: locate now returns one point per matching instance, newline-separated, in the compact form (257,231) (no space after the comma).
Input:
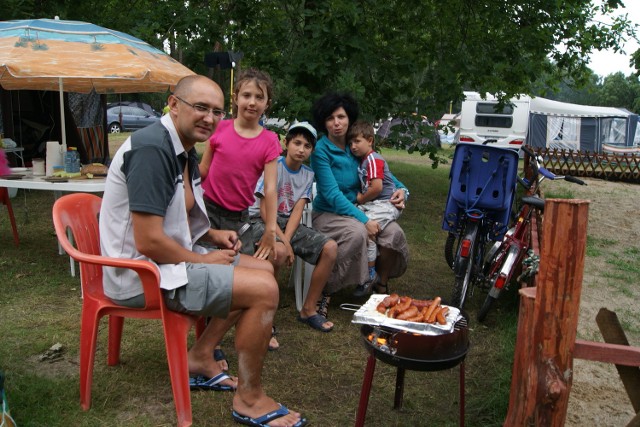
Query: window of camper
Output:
(489,115)
(492,108)
(494,122)
(563,132)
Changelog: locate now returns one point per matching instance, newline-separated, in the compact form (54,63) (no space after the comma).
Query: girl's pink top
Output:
(237,165)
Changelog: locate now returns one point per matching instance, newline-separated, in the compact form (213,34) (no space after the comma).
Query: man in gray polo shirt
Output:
(153,209)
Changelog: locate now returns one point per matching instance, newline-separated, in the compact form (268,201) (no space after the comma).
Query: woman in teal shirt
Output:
(334,207)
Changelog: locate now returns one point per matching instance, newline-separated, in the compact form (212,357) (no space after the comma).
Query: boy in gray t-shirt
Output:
(377,187)
(294,189)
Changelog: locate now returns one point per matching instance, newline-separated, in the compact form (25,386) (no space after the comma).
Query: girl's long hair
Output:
(262,79)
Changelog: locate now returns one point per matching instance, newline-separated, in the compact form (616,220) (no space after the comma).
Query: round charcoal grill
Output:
(415,352)
(418,352)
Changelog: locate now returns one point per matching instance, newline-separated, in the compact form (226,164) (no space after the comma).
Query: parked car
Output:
(124,118)
(138,104)
(410,132)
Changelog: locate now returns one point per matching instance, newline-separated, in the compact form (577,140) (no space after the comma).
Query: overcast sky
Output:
(605,63)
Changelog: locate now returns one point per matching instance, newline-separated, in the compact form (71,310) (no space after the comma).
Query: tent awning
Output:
(557,108)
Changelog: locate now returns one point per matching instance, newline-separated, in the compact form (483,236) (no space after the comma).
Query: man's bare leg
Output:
(200,360)
(274,264)
(255,293)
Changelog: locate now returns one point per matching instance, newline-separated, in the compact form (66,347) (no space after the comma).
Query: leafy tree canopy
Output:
(394,56)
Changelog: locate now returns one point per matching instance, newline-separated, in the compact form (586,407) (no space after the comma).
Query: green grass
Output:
(630,319)
(317,374)
(596,247)
(623,273)
(560,193)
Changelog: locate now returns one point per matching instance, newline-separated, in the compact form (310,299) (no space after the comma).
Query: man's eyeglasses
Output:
(204,110)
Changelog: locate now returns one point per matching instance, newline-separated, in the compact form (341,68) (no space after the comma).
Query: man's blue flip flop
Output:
(203,383)
(266,418)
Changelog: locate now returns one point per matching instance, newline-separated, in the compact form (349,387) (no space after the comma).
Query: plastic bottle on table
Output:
(72,160)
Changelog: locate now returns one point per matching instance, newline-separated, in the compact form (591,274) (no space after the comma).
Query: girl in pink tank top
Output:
(233,161)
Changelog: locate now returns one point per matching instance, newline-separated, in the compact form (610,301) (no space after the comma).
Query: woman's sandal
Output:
(322,306)
(379,288)
(316,322)
(219,356)
(273,342)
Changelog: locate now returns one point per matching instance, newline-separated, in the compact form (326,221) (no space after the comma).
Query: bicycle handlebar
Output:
(538,169)
(528,150)
(524,182)
(550,175)
(574,180)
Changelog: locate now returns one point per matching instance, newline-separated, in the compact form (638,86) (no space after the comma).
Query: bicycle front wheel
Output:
(486,307)
(500,273)
(450,249)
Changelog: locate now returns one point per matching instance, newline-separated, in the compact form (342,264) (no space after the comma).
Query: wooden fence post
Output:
(548,320)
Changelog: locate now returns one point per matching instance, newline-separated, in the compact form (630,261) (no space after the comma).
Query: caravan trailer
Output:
(482,119)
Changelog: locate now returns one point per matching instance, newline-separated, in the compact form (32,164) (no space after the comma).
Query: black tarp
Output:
(31,118)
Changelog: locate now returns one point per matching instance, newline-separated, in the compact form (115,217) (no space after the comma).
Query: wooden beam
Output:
(635,422)
(547,326)
(607,353)
(613,333)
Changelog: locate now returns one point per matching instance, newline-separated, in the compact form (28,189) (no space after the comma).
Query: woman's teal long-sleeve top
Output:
(337,181)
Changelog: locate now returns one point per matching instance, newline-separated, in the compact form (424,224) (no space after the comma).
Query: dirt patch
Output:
(63,367)
(597,395)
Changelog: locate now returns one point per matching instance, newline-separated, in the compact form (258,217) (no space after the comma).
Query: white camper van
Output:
(481,119)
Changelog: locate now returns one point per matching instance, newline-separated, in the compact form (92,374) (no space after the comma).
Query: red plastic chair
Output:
(78,212)
(4,199)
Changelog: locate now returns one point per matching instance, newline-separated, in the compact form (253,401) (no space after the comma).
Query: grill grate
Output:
(461,324)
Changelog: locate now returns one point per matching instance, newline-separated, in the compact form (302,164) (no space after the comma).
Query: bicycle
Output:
(505,257)
(481,192)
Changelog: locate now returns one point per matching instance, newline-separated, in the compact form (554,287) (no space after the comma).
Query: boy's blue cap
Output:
(307,127)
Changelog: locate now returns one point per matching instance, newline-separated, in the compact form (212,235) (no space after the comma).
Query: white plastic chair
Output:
(301,271)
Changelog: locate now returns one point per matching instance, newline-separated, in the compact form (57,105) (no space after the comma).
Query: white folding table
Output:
(29,182)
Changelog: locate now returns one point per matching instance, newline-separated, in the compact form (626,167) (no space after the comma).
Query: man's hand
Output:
(225,239)
(221,256)
(360,198)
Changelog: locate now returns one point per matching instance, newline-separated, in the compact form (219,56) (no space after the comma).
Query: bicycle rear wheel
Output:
(461,285)
(463,266)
